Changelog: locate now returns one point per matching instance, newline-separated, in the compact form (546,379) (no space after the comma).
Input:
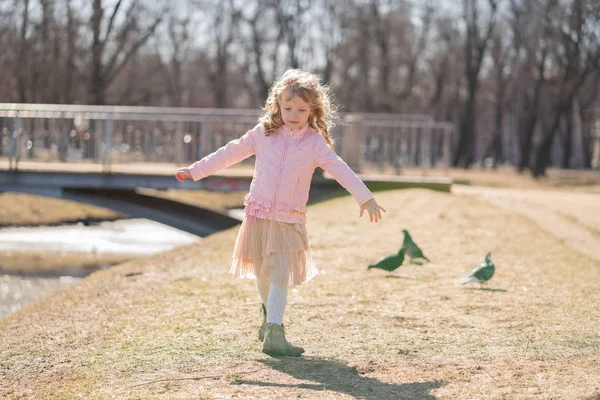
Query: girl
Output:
(290,141)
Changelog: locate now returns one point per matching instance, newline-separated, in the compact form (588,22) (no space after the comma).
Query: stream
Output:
(128,238)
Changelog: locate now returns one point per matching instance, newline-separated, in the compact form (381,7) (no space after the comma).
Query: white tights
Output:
(274,298)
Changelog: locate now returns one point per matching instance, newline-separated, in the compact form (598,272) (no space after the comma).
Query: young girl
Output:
(290,141)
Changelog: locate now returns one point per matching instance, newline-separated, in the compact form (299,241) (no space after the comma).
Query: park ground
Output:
(176,325)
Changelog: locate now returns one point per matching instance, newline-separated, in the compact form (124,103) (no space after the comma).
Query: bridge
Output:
(106,156)
(123,191)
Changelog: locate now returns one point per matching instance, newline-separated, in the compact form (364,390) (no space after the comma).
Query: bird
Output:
(390,263)
(410,247)
(481,273)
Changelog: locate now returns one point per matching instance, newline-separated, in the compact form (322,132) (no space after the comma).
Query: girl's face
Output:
(294,111)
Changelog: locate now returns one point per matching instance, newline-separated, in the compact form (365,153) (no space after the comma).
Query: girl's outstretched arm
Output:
(232,153)
(327,159)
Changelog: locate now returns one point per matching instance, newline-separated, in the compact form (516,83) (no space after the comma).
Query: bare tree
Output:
(261,40)
(587,101)
(224,18)
(365,61)
(44,45)
(178,37)
(532,35)
(289,15)
(21,67)
(70,66)
(128,39)
(381,32)
(330,19)
(578,55)
(502,70)
(417,47)
(443,65)
(475,48)
(349,85)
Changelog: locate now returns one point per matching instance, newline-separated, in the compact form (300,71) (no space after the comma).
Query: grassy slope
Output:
(19,209)
(184,328)
(581,180)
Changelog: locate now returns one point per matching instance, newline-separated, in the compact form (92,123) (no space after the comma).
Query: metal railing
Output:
(124,134)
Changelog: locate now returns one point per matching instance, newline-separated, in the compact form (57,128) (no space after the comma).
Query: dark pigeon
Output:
(410,247)
(390,263)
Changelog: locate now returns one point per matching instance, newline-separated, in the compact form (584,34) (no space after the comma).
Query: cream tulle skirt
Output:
(274,250)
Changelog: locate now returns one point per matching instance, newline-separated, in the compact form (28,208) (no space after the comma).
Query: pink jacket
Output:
(285,163)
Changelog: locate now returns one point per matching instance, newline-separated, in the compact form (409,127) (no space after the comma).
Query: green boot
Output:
(263,326)
(277,345)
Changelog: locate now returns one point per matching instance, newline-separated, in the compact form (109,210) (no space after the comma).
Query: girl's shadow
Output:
(337,376)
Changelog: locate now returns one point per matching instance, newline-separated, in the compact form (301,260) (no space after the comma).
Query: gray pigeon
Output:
(410,247)
(482,273)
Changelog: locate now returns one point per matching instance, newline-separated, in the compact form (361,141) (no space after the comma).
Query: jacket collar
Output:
(299,134)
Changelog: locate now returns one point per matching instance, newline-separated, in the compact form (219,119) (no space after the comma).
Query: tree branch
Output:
(132,51)
(112,19)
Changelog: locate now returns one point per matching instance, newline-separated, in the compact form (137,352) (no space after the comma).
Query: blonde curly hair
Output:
(308,87)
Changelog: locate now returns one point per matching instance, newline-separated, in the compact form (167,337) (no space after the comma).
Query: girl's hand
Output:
(182,174)
(373,209)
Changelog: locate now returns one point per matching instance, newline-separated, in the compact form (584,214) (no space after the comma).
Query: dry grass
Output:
(555,178)
(572,216)
(27,210)
(56,263)
(184,328)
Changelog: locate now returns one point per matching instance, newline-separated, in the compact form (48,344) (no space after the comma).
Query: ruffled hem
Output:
(263,208)
(273,250)
(276,268)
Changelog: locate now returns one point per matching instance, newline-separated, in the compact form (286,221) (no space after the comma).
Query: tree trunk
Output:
(497,151)
(568,139)
(70,57)
(43,93)
(97,81)
(22,66)
(56,58)
(381,39)
(542,154)
(586,141)
(464,154)
(542,157)
(475,48)
(219,81)
(176,88)
(257,49)
(531,117)
(526,139)
(494,149)
(565,104)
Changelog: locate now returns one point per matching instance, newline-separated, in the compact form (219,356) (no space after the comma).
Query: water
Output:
(130,236)
(135,237)
(18,291)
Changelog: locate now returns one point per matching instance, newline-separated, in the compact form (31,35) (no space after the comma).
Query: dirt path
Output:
(574,217)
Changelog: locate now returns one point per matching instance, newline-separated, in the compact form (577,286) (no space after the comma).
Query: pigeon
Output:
(482,273)
(410,247)
(390,263)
